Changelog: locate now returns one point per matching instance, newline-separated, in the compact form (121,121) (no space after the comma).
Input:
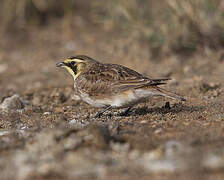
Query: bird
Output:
(109,86)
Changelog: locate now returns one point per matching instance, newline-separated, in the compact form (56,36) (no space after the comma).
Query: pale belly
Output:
(127,99)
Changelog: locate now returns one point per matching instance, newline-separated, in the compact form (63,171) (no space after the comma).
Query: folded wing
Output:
(109,79)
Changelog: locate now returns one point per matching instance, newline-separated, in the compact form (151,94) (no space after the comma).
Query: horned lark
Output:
(111,85)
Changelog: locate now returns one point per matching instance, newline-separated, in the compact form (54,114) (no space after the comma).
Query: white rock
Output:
(14,102)
(47,113)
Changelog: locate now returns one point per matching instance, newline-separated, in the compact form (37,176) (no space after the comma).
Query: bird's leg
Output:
(125,112)
(100,113)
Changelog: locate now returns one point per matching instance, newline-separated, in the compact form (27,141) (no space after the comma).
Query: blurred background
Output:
(164,26)
(37,33)
(179,25)
(44,134)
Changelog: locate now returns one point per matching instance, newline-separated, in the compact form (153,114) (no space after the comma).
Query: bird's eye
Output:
(72,63)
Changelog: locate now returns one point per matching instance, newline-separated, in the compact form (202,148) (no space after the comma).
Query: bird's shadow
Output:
(177,108)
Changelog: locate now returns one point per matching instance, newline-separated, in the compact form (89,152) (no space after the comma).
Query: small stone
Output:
(77,124)
(143,122)
(14,102)
(59,110)
(154,126)
(73,121)
(157,131)
(4,132)
(47,113)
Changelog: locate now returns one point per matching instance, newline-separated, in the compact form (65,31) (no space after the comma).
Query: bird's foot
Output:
(100,113)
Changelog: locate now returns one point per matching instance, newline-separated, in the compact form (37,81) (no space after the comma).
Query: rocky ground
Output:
(45,134)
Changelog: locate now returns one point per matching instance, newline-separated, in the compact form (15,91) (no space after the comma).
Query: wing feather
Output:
(111,79)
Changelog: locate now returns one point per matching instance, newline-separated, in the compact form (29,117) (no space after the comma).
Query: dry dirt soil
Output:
(45,134)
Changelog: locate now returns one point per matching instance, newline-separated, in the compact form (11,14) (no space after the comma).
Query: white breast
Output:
(100,103)
(132,98)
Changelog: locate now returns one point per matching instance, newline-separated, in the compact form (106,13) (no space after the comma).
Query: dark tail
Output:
(169,94)
(155,82)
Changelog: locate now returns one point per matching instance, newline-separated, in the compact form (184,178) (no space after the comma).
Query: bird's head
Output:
(76,65)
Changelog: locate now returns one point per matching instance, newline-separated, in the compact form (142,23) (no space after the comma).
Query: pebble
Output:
(47,113)
(59,110)
(4,132)
(76,123)
(143,122)
(14,102)
(157,131)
